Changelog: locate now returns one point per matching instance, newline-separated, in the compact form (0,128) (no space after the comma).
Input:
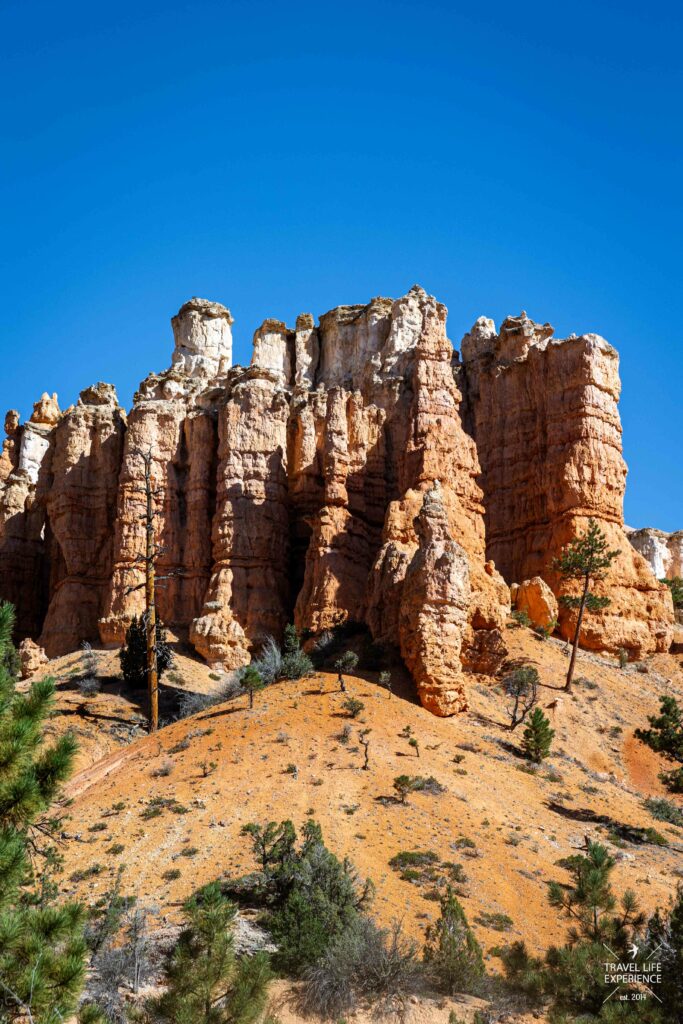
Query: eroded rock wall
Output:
(356,471)
(543,412)
(80,507)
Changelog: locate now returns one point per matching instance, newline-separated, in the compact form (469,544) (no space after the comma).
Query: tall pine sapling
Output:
(205,982)
(585,561)
(42,948)
(538,737)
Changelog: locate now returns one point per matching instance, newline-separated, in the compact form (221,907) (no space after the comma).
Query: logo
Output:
(636,980)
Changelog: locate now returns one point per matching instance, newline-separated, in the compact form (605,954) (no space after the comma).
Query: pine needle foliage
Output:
(42,948)
(205,981)
(452,954)
(665,736)
(538,737)
(133,655)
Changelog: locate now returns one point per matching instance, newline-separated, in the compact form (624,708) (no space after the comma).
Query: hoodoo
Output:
(357,471)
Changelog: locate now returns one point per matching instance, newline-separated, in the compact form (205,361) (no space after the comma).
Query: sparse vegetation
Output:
(406,784)
(365,962)
(664,810)
(353,707)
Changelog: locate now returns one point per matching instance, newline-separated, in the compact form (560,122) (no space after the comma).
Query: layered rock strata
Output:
(543,412)
(356,472)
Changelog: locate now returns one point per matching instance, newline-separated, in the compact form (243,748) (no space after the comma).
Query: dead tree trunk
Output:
(150,601)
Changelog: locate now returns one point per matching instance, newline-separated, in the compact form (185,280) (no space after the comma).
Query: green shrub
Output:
(452,954)
(133,655)
(521,618)
(364,962)
(665,736)
(664,810)
(675,585)
(295,663)
(353,707)
(312,897)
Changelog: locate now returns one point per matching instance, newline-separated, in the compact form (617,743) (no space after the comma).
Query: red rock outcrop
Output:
(174,417)
(26,463)
(434,610)
(543,412)
(31,658)
(355,472)
(80,505)
(535,597)
(248,592)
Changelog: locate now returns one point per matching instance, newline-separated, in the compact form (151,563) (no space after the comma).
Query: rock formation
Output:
(355,472)
(81,504)
(543,412)
(536,599)
(662,551)
(31,658)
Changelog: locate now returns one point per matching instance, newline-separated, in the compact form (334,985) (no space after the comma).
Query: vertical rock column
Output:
(544,414)
(81,504)
(174,417)
(248,595)
(26,465)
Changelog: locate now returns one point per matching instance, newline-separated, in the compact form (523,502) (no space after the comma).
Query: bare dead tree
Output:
(364,740)
(147,563)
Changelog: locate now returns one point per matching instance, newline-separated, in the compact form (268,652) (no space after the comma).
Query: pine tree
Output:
(42,948)
(345,664)
(295,662)
(538,737)
(205,982)
(585,560)
(452,953)
(251,681)
(133,655)
(667,934)
(665,736)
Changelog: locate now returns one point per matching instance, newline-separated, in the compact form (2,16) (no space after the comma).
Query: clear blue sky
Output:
(281,157)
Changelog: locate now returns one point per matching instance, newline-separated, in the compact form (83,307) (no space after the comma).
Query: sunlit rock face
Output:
(662,551)
(543,412)
(358,471)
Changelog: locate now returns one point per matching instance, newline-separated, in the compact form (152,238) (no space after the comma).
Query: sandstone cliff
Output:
(356,472)
(543,412)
